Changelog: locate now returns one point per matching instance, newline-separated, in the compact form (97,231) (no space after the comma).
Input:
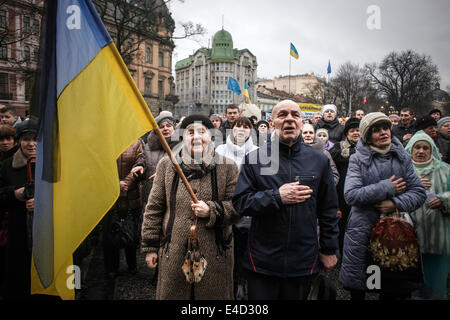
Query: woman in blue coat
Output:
(380,179)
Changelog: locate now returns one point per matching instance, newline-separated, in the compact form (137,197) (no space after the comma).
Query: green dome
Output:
(222,46)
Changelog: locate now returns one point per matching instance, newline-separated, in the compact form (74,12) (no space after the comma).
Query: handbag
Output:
(195,264)
(394,248)
(322,288)
(123,229)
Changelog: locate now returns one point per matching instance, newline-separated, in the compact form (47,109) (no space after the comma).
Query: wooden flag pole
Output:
(175,163)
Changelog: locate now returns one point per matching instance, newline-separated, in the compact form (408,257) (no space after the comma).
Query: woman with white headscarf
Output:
(432,219)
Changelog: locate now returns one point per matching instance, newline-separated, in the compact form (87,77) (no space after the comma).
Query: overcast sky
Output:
(320,30)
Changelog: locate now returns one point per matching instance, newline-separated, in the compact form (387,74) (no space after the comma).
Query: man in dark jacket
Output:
(330,122)
(284,252)
(232,114)
(405,129)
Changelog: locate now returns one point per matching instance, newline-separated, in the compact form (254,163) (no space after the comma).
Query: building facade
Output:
(202,78)
(20,26)
(298,84)
(147,51)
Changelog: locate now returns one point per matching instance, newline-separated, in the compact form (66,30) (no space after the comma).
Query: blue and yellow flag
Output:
(90,112)
(233,85)
(294,52)
(246,93)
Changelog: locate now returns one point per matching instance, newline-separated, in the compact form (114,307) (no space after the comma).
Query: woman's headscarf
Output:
(422,136)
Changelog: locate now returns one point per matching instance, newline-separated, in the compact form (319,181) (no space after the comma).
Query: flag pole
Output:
(175,163)
(289,74)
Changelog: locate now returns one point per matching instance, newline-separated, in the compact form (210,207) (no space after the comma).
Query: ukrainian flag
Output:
(294,52)
(90,112)
(246,93)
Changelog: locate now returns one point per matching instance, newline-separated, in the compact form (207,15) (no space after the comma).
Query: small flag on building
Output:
(294,52)
(233,85)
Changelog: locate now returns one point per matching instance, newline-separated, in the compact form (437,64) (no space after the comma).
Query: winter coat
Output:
(217,282)
(443,144)
(153,151)
(400,130)
(367,184)
(235,152)
(13,175)
(321,147)
(341,153)
(283,238)
(335,129)
(433,225)
(125,163)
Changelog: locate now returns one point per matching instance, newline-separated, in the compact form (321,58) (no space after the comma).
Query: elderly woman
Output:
(170,213)
(395,119)
(308,137)
(13,178)
(432,219)
(322,134)
(380,179)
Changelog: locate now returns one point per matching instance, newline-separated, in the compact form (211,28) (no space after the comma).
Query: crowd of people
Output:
(269,204)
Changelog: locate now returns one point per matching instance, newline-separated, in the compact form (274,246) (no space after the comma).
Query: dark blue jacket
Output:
(283,239)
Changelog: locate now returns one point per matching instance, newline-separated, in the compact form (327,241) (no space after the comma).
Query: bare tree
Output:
(351,84)
(404,78)
(447,88)
(132,22)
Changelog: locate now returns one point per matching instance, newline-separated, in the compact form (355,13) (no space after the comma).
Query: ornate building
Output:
(146,50)
(202,78)
(20,24)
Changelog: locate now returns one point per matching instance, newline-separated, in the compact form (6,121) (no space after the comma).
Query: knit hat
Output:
(322,130)
(197,118)
(351,123)
(369,120)
(425,122)
(164,117)
(396,116)
(442,121)
(328,107)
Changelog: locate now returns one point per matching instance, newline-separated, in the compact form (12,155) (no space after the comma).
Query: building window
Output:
(4,86)
(26,24)
(26,53)
(161,89)
(3,20)
(36,54)
(161,58)
(35,26)
(148,55)
(3,51)
(148,85)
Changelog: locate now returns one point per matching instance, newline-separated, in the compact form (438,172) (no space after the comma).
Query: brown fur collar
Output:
(19,160)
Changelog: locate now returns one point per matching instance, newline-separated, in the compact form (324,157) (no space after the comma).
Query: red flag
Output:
(365,100)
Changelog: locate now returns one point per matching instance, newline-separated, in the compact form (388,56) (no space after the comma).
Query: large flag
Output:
(90,112)
(246,93)
(233,85)
(329,67)
(293,51)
